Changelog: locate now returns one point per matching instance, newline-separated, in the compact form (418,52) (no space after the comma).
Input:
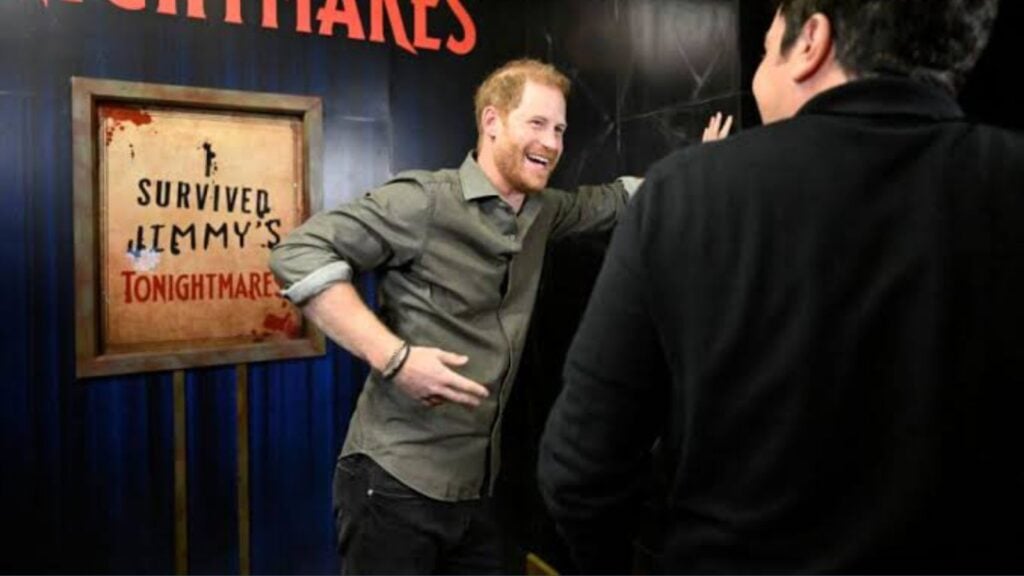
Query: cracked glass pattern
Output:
(647,74)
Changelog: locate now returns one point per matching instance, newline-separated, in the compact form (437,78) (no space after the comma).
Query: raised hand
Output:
(716,129)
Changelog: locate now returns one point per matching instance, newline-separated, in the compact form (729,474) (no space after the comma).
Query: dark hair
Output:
(935,41)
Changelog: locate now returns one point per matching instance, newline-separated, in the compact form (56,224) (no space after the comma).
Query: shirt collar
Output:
(885,96)
(475,184)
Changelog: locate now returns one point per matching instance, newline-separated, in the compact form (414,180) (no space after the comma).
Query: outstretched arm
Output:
(596,208)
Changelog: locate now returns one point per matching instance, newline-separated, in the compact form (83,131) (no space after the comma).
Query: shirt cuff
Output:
(317,281)
(631,184)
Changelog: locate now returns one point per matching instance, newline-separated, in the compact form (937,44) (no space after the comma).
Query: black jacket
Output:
(822,320)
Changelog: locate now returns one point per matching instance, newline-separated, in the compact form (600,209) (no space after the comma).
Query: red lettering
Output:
(196,287)
(181,288)
(468,41)
(329,15)
(160,287)
(139,288)
(210,278)
(423,38)
(303,22)
(269,14)
(141,296)
(195,8)
(303,17)
(383,13)
(254,286)
(127,285)
(269,285)
(130,4)
(225,285)
(233,11)
(394,19)
(241,291)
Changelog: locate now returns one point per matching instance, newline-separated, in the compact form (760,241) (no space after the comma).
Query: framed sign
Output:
(180,194)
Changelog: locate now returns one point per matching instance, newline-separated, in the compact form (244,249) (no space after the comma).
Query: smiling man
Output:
(458,255)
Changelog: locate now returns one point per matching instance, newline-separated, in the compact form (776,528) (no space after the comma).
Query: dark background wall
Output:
(87,473)
(87,481)
(88,466)
(989,96)
(647,75)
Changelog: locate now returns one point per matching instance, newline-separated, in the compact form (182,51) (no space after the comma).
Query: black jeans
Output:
(385,527)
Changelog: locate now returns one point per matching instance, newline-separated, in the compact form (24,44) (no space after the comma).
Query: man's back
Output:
(838,298)
(843,321)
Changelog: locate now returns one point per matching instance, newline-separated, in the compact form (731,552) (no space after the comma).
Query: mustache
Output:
(545,153)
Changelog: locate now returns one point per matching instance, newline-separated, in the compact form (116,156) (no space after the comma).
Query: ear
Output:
(490,122)
(812,49)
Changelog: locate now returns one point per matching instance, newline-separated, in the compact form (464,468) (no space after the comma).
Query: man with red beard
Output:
(458,255)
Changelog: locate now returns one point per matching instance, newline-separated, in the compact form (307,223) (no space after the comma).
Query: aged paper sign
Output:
(191,202)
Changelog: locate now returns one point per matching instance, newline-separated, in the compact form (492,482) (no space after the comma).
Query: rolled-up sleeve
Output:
(384,228)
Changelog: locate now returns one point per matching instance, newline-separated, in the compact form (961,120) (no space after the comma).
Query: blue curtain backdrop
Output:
(87,473)
(88,465)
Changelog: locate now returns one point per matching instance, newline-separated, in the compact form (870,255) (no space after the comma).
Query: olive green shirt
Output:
(457,270)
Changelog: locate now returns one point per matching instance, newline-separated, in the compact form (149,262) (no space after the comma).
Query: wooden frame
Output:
(176,191)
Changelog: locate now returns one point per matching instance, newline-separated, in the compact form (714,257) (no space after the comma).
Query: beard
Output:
(511,162)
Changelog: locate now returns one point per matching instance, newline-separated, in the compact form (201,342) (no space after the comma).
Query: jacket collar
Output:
(885,96)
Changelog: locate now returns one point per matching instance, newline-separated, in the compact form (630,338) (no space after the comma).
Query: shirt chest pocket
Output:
(468,285)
